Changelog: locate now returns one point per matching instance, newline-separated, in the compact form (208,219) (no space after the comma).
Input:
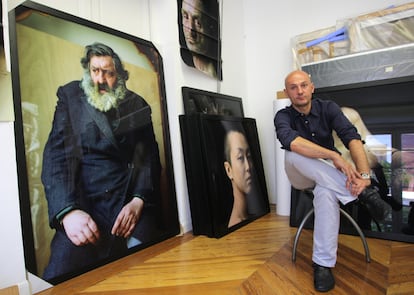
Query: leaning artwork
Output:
(94,157)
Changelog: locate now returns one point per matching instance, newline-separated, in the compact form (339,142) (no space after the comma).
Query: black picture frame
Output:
(212,103)
(46,48)
(210,189)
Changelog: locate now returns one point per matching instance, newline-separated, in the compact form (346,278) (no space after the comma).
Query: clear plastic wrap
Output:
(381,29)
(374,65)
(304,54)
(390,27)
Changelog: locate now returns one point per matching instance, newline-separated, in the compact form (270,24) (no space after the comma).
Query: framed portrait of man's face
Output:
(199,35)
(92,142)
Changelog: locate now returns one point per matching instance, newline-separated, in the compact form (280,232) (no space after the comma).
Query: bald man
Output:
(304,130)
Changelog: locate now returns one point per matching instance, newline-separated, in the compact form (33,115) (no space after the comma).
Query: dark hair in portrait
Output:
(99,49)
(198,22)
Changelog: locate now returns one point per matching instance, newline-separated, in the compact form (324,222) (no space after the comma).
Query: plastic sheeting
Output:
(384,28)
(387,28)
(368,66)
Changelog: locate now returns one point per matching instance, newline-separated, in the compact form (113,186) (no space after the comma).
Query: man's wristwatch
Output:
(365,176)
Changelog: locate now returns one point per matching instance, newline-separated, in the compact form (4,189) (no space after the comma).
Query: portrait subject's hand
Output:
(128,217)
(80,228)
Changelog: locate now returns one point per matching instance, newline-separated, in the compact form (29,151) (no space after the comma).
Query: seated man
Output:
(311,162)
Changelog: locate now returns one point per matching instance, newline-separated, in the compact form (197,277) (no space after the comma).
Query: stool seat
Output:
(343,212)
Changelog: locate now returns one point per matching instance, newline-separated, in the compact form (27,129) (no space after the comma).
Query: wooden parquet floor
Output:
(256,259)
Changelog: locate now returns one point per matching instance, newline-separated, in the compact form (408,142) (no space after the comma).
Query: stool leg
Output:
(299,231)
(361,234)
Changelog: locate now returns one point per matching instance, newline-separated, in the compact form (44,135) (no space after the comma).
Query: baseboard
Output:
(37,284)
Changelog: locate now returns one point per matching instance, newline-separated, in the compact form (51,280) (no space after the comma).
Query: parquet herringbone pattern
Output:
(255,259)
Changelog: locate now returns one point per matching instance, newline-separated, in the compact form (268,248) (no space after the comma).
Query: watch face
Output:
(365,175)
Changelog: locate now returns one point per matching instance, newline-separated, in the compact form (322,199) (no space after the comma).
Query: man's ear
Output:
(227,167)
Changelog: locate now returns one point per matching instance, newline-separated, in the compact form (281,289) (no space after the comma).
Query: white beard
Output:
(102,102)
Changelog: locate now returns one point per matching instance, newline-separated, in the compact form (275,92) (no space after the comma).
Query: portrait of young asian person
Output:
(247,200)
(304,130)
(101,167)
(200,32)
(238,165)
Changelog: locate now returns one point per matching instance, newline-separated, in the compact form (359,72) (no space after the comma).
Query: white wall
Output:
(12,264)
(12,267)
(256,57)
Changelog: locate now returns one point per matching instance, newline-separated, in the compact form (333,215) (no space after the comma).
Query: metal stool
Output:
(343,212)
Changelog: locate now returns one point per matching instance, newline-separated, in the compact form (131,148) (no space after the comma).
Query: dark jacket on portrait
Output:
(98,161)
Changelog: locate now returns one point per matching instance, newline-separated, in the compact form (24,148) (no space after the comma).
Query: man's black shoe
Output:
(376,206)
(323,278)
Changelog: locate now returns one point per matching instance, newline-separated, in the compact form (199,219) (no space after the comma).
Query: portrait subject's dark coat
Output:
(98,165)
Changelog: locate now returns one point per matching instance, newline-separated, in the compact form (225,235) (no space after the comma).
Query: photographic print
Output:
(199,35)
(227,187)
(92,141)
(212,103)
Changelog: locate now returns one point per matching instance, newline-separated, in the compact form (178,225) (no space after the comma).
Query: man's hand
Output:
(354,182)
(128,217)
(80,228)
(346,168)
(358,185)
